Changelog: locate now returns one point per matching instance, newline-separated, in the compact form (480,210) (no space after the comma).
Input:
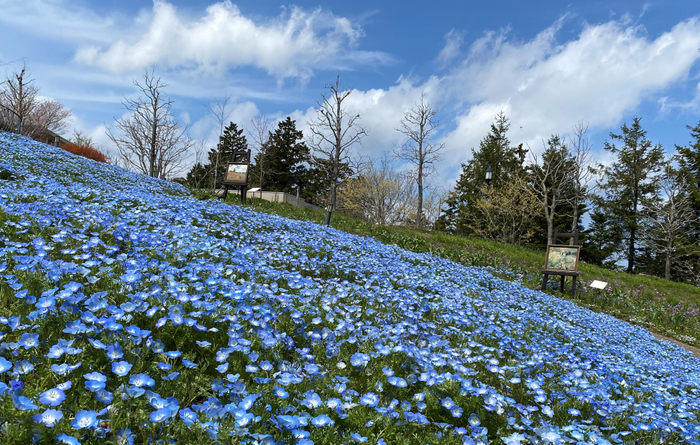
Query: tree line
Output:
(644,207)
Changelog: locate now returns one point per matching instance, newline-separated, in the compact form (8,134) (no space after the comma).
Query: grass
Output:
(663,306)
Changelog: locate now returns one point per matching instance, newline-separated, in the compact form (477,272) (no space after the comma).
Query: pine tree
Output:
(284,157)
(689,168)
(231,140)
(629,183)
(494,151)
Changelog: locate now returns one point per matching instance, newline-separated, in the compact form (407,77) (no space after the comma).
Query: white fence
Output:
(278,197)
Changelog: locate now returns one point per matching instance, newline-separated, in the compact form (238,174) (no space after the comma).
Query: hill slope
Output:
(131,311)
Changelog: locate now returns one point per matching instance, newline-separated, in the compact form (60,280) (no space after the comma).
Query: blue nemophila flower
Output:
(358,438)
(29,341)
(322,420)
(130,277)
(84,419)
(23,367)
(5,365)
(104,396)
(359,359)
(48,417)
(474,420)
(94,385)
(280,392)
(114,351)
(124,437)
(66,439)
(141,380)
(188,364)
(52,397)
(172,376)
(574,412)
(398,382)
(121,368)
(288,422)
(160,415)
(23,403)
(222,368)
(311,401)
(370,399)
(173,354)
(164,366)
(17,386)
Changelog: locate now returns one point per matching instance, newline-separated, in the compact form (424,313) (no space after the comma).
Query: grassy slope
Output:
(664,306)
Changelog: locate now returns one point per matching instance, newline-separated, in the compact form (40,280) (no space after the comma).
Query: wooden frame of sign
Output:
(569,269)
(236,174)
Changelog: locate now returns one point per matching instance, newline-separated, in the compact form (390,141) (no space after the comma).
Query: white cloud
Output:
(453,43)
(289,46)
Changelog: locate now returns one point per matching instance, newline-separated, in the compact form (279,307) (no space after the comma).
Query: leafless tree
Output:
(333,133)
(218,110)
(550,178)
(47,115)
(20,94)
(259,134)
(580,173)
(419,125)
(379,194)
(149,139)
(666,223)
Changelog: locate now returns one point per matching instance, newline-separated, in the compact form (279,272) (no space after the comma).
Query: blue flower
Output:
(48,417)
(84,419)
(52,397)
(141,380)
(322,420)
(66,439)
(121,368)
(23,403)
(4,365)
(160,415)
(370,399)
(29,341)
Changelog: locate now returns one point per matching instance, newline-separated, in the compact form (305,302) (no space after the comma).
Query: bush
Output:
(86,152)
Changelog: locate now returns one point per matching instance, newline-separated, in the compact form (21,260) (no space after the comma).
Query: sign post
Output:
(562,260)
(236,174)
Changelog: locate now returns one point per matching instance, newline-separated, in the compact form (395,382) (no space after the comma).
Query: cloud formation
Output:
(289,46)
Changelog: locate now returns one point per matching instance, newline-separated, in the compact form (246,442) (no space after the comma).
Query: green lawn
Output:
(663,306)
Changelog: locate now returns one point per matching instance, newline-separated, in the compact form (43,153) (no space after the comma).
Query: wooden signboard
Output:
(562,257)
(236,173)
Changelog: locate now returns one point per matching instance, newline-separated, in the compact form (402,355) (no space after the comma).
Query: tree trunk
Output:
(419,215)
(154,134)
(667,270)
(574,221)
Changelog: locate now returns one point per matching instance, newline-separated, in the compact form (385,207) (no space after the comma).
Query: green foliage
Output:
(629,183)
(494,151)
(279,166)
(212,173)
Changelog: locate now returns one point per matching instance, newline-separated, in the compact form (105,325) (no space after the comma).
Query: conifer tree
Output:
(630,183)
(231,140)
(284,157)
(494,151)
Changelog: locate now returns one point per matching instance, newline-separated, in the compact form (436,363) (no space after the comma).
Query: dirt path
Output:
(693,349)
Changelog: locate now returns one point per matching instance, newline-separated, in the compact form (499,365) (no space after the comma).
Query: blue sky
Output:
(546,64)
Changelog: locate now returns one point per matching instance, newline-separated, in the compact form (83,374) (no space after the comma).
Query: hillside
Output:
(133,312)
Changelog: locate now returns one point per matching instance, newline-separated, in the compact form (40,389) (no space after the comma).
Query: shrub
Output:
(86,152)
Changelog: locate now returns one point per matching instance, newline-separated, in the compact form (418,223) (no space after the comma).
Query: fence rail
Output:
(10,121)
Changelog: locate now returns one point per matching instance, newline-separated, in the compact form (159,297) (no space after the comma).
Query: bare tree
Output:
(150,141)
(379,194)
(550,178)
(666,224)
(419,125)
(333,135)
(218,110)
(47,115)
(20,94)
(580,172)
(259,134)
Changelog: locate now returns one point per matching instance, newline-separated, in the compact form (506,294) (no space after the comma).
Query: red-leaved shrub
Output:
(86,152)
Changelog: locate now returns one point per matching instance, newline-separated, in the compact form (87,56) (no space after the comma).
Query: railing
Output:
(10,121)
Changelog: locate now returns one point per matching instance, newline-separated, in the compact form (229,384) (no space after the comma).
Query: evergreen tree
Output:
(630,183)
(284,157)
(495,152)
(601,240)
(689,168)
(231,140)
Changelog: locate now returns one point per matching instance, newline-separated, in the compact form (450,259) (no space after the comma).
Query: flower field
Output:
(132,313)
